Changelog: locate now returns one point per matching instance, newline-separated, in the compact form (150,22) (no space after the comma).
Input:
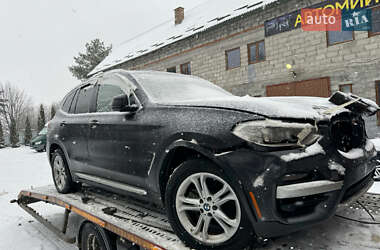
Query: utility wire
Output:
(360,221)
(365,208)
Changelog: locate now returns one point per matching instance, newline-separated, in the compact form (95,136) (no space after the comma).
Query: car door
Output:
(116,147)
(78,128)
(62,119)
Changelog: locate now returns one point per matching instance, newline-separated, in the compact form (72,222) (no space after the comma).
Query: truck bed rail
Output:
(144,227)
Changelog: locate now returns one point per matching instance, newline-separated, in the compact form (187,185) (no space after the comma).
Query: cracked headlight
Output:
(272,133)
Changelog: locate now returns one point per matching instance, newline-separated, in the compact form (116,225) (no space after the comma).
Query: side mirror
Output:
(120,103)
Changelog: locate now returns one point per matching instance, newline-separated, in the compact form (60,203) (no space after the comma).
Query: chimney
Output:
(179,14)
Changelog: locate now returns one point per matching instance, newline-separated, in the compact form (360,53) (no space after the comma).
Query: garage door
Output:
(315,87)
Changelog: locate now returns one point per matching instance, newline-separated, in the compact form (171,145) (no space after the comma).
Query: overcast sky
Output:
(39,38)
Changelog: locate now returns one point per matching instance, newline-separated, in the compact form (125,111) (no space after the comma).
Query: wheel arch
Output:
(55,146)
(169,164)
(179,152)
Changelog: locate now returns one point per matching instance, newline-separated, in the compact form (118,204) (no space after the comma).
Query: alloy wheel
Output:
(377,174)
(59,172)
(208,208)
(92,242)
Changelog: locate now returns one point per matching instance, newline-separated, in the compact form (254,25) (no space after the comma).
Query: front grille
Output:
(347,131)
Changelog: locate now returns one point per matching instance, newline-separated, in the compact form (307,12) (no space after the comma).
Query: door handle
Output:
(62,124)
(94,123)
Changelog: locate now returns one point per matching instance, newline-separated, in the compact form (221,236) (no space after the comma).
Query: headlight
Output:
(272,133)
(38,143)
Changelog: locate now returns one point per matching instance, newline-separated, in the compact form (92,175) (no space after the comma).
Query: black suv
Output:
(225,168)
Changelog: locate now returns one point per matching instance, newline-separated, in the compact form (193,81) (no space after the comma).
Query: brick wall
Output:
(356,62)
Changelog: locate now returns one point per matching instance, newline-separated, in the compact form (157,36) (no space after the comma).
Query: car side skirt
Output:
(113,184)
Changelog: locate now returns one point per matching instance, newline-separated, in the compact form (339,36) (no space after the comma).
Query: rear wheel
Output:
(204,209)
(61,174)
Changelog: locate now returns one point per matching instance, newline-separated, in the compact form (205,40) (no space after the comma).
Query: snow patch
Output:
(151,163)
(259,182)
(355,153)
(202,17)
(194,141)
(376,142)
(224,153)
(336,166)
(369,146)
(375,189)
(314,149)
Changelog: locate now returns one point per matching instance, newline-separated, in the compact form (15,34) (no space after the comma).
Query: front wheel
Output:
(377,174)
(204,210)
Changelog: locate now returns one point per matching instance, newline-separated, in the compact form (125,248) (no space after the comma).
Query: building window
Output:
(256,52)
(186,68)
(233,58)
(345,88)
(172,70)
(375,30)
(377,89)
(336,37)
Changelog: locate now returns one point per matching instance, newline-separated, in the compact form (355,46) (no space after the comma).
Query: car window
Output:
(171,88)
(66,103)
(106,94)
(73,104)
(84,99)
(110,88)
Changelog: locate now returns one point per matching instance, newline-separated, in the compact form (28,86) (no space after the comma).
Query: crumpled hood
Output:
(272,107)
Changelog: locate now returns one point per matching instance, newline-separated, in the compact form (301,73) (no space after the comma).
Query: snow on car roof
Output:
(204,16)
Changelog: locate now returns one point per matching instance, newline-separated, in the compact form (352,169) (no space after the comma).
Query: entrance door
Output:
(314,87)
(377,86)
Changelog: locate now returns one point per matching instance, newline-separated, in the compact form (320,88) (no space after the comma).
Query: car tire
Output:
(184,201)
(377,174)
(61,174)
(95,238)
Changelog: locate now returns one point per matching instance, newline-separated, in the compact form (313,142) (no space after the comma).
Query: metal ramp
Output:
(144,227)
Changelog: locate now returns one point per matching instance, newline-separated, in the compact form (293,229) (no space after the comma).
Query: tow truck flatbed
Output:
(354,226)
(144,227)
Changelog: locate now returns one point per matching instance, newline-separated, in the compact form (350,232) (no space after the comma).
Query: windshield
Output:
(170,87)
(43,131)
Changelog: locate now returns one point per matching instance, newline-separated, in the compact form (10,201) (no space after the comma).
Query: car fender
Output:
(227,169)
(197,147)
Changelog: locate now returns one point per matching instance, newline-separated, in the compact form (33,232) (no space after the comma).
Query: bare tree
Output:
(13,110)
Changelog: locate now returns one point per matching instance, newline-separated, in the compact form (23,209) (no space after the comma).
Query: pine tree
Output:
(41,118)
(96,51)
(52,112)
(14,139)
(28,132)
(2,141)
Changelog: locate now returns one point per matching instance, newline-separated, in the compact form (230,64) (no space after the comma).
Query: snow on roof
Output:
(198,19)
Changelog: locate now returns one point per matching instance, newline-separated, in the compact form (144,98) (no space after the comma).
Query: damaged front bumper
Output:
(307,189)
(291,190)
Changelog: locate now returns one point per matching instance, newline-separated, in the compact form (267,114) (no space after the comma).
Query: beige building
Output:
(259,48)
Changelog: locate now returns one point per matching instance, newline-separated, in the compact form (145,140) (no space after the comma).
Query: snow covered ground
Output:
(23,168)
